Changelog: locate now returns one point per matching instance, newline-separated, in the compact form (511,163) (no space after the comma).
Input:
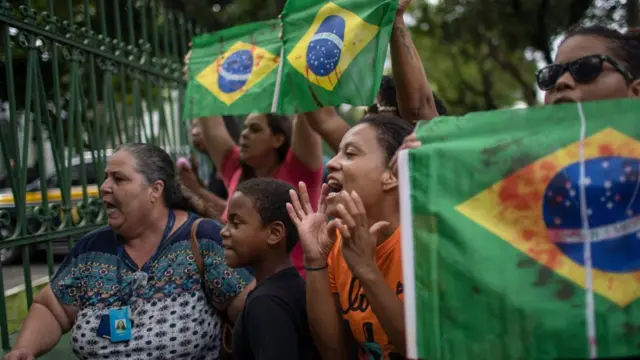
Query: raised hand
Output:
(410,142)
(402,7)
(317,236)
(359,241)
(185,70)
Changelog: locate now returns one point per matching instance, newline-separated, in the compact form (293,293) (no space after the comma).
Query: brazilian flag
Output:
(521,234)
(234,71)
(335,52)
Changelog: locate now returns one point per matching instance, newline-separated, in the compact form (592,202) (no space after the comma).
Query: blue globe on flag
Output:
(235,71)
(612,188)
(325,48)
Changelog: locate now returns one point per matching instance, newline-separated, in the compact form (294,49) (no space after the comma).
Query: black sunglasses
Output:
(583,70)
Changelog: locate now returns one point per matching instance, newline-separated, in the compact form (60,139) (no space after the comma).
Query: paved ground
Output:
(13,275)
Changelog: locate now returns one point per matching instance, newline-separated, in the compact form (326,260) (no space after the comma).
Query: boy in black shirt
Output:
(260,234)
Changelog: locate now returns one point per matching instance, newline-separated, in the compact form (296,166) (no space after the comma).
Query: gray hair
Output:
(154,164)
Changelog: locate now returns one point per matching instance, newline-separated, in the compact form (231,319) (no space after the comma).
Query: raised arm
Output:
(216,139)
(325,317)
(329,125)
(414,95)
(48,319)
(306,144)
(317,238)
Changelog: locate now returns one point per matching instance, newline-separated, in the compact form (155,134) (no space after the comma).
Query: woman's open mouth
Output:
(334,185)
(111,208)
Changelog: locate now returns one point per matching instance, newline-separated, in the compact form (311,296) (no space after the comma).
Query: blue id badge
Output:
(120,324)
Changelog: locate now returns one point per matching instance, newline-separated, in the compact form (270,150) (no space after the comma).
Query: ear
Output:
(156,191)
(389,180)
(277,233)
(277,140)
(634,89)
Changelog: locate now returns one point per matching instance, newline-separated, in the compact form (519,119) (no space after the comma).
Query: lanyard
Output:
(147,266)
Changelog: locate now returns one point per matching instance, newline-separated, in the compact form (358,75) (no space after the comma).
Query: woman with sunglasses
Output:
(133,289)
(593,63)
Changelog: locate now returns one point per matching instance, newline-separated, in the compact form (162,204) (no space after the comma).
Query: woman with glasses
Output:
(133,289)
(593,63)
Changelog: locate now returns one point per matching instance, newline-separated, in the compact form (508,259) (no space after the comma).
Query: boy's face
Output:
(244,238)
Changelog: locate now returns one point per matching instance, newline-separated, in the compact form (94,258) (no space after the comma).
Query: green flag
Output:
(521,234)
(334,52)
(234,71)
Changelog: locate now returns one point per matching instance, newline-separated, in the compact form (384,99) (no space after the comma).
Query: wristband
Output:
(316,268)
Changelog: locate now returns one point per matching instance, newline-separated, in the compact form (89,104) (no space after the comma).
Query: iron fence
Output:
(80,78)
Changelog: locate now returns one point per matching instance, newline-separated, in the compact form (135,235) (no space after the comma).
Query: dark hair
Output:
(390,131)
(270,197)
(388,95)
(279,125)
(625,46)
(155,164)
(387,92)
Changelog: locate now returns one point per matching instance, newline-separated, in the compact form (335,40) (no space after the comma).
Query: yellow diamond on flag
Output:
(539,211)
(334,39)
(237,70)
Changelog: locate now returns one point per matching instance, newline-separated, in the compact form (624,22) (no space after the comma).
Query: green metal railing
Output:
(80,78)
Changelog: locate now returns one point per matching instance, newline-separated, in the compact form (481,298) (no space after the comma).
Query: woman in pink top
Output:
(267,148)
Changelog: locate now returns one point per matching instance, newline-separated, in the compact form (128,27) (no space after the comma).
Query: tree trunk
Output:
(633,13)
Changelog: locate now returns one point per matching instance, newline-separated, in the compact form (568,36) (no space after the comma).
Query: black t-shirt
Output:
(273,324)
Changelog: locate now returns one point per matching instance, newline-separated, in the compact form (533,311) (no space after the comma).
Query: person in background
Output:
(387,99)
(413,99)
(269,146)
(214,191)
(141,264)
(593,63)
(260,234)
(354,278)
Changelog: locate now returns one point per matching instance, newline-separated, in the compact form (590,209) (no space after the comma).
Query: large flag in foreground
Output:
(233,71)
(521,234)
(335,52)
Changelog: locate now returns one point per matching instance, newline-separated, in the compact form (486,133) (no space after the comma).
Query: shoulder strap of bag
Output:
(195,247)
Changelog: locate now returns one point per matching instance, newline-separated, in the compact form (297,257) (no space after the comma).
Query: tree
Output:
(481,54)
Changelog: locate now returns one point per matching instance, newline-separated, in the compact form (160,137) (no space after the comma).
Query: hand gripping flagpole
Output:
(586,237)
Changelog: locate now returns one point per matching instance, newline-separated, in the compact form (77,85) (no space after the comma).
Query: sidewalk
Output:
(62,351)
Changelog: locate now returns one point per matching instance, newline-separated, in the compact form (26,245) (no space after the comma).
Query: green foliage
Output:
(479,54)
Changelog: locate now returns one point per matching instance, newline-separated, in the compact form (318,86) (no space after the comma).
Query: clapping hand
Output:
(317,236)
(359,241)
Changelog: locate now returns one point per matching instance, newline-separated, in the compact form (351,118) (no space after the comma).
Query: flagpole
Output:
(276,93)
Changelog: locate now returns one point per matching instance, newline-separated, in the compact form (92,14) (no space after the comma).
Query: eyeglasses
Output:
(583,71)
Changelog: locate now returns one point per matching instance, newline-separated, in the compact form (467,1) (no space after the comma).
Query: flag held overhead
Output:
(334,52)
(237,70)
(333,40)
(233,71)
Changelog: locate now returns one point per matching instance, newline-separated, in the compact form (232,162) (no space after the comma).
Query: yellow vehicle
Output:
(54,195)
